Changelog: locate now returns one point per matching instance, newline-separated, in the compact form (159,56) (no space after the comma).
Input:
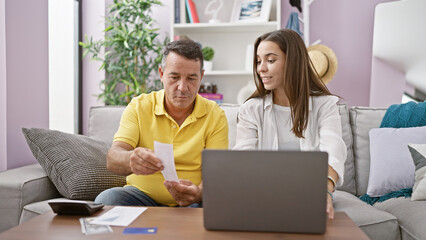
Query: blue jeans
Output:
(130,196)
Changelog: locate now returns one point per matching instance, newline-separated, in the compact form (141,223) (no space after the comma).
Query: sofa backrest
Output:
(362,120)
(356,123)
(231,112)
(349,183)
(104,122)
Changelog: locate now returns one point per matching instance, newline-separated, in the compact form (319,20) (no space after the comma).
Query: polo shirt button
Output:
(174,126)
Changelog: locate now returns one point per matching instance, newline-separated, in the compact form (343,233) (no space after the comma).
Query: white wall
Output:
(3,128)
(63,65)
(93,25)
(399,52)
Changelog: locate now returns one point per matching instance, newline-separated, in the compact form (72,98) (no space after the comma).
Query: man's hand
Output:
(185,192)
(144,162)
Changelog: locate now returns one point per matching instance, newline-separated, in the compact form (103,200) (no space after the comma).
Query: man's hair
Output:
(185,48)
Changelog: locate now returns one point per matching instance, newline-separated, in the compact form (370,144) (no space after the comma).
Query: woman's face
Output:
(270,64)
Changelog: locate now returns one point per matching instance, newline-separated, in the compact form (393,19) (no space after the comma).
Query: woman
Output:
(291,109)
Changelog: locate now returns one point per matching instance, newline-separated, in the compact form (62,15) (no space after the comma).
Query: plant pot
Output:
(208,66)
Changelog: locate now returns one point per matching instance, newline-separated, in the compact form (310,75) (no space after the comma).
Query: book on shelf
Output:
(217,97)
(183,13)
(192,11)
(177,11)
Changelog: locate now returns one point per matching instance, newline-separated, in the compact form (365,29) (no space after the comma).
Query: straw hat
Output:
(324,61)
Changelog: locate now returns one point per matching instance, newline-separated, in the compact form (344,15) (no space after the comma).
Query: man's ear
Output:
(160,70)
(202,74)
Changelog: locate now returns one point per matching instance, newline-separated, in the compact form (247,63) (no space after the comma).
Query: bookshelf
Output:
(230,40)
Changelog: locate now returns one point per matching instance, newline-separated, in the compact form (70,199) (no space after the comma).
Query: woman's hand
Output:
(330,208)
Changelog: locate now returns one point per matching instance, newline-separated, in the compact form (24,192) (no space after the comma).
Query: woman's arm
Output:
(330,137)
(247,128)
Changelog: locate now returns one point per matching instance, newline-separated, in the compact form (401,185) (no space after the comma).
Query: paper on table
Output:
(164,152)
(119,216)
(88,229)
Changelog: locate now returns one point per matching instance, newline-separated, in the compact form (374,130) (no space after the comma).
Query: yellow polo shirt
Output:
(145,120)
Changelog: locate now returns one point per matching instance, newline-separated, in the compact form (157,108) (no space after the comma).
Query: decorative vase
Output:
(208,65)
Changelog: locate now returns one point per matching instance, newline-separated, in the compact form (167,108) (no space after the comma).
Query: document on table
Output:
(165,153)
(119,216)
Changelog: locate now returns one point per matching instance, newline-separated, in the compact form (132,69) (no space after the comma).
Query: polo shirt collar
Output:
(199,108)
(159,108)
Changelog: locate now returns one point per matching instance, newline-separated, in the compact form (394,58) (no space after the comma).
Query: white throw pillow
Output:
(418,152)
(391,165)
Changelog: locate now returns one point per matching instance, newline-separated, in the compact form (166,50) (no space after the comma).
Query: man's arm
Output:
(123,159)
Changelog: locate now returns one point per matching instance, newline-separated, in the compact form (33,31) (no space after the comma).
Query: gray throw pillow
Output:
(418,152)
(76,164)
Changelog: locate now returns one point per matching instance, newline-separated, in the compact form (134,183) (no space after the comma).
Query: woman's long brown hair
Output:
(301,79)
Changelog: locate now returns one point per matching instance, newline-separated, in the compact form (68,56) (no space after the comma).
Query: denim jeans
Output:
(130,196)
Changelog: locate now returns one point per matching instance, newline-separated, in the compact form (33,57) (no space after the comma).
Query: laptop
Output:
(268,191)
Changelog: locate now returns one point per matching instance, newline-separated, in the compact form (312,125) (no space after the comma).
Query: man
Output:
(176,115)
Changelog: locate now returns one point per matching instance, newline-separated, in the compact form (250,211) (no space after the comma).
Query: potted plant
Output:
(208,54)
(132,54)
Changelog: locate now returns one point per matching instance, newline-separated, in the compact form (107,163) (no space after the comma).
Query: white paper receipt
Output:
(164,152)
(119,216)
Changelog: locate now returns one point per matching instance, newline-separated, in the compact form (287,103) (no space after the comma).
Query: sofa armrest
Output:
(19,187)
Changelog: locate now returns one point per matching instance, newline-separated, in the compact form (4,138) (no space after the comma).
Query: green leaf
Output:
(102,66)
(108,28)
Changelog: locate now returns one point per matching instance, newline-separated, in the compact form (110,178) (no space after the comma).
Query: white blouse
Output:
(257,129)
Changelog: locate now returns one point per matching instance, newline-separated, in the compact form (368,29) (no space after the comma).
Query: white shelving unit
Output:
(230,41)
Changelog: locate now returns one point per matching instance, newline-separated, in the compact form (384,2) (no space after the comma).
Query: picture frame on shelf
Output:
(251,11)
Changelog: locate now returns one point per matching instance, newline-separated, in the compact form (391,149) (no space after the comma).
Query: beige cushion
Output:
(362,120)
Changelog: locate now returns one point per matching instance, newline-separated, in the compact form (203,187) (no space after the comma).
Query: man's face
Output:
(181,79)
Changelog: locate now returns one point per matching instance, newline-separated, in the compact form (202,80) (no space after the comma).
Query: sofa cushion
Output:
(418,153)
(411,216)
(362,120)
(391,165)
(349,177)
(375,223)
(76,164)
(34,209)
(19,187)
(231,112)
(104,122)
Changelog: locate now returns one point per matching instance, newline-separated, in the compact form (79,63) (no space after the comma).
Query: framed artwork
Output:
(251,11)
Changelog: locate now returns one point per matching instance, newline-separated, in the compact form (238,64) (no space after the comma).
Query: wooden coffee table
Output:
(171,223)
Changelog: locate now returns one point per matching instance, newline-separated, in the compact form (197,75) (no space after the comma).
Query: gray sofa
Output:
(24,191)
